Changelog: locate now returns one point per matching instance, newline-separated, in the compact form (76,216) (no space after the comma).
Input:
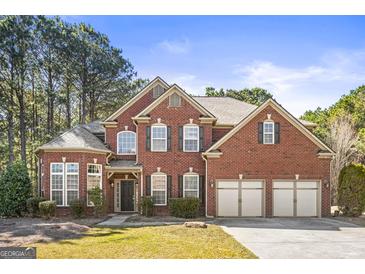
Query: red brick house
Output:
(239,159)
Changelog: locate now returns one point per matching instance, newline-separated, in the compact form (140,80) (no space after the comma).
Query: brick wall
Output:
(218,133)
(242,154)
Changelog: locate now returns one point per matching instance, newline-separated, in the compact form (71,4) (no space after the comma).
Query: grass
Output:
(163,242)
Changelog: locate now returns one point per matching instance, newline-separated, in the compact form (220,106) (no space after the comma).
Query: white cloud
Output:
(175,46)
(303,88)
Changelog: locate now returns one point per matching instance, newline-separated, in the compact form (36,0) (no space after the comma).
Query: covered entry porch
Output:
(124,178)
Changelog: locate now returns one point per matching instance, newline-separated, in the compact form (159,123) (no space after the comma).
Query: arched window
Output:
(126,143)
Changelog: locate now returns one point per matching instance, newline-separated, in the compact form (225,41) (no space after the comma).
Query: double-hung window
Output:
(126,143)
(191,138)
(268,132)
(159,189)
(159,138)
(64,183)
(94,179)
(191,186)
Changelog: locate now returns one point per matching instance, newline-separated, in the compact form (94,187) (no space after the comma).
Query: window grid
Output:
(159,189)
(268,132)
(191,138)
(191,186)
(57,174)
(126,143)
(94,179)
(157,91)
(174,100)
(72,182)
(159,138)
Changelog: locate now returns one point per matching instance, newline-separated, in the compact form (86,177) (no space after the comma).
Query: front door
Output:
(127,195)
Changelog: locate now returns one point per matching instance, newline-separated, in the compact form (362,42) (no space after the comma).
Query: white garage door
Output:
(295,199)
(240,198)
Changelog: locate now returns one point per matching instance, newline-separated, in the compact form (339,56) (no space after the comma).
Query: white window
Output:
(126,143)
(159,189)
(157,91)
(64,183)
(94,179)
(268,132)
(174,100)
(159,138)
(191,138)
(191,185)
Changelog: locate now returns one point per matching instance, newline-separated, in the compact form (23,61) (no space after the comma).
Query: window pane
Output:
(72,195)
(127,142)
(93,168)
(159,145)
(72,181)
(268,127)
(191,182)
(158,132)
(159,197)
(57,181)
(193,194)
(268,138)
(191,145)
(72,168)
(191,132)
(56,168)
(175,100)
(57,196)
(159,189)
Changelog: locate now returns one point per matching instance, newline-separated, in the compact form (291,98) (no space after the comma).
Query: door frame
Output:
(239,192)
(319,196)
(117,184)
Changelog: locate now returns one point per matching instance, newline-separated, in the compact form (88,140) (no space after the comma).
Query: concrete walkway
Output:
(115,221)
(298,238)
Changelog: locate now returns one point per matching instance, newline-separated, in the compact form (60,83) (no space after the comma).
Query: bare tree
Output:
(342,138)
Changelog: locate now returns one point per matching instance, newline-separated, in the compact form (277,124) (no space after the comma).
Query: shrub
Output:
(33,205)
(147,206)
(351,190)
(96,197)
(47,209)
(15,189)
(184,207)
(77,207)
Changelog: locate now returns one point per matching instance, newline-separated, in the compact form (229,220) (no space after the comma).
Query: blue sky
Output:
(305,61)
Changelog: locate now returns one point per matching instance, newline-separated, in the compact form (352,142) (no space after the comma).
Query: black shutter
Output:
(148,185)
(148,138)
(202,188)
(261,132)
(169,187)
(201,138)
(181,138)
(168,138)
(181,187)
(277,133)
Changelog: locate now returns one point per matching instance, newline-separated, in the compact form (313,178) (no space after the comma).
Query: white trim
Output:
(282,112)
(135,142)
(198,138)
(159,126)
(272,133)
(146,89)
(198,183)
(78,181)
(93,174)
(165,176)
(63,180)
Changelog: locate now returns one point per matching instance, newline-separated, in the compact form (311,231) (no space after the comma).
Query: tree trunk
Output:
(50,103)
(68,104)
(22,125)
(10,119)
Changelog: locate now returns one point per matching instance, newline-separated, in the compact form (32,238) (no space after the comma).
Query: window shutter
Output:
(181,138)
(181,187)
(148,138)
(201,138)
(202,188)
(168,138)
(148,185)
(261,132)
(277,133)
(169,187)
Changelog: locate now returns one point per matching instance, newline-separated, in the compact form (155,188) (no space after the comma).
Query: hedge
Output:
(184,207)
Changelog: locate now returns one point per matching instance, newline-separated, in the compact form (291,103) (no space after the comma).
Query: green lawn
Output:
(170,242)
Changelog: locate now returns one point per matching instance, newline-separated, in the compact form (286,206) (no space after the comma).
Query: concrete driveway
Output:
(298,238)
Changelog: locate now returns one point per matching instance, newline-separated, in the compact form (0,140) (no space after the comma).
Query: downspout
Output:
(206,188)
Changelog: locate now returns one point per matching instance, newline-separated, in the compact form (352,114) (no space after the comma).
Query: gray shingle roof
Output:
(76,138)
(227,110)
(123,163)
(95,127)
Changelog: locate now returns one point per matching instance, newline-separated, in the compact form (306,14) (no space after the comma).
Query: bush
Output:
(351,190)
(96,197)
(147,206)
(15,189)
(47,209)
(77,207)
(33,205)
(184,207)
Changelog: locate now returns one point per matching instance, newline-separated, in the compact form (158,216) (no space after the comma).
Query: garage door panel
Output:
(227,184)
(307,184)
(251,202)
(307,202)
(283,202)
(283,184)
(228,202)
(251,184)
